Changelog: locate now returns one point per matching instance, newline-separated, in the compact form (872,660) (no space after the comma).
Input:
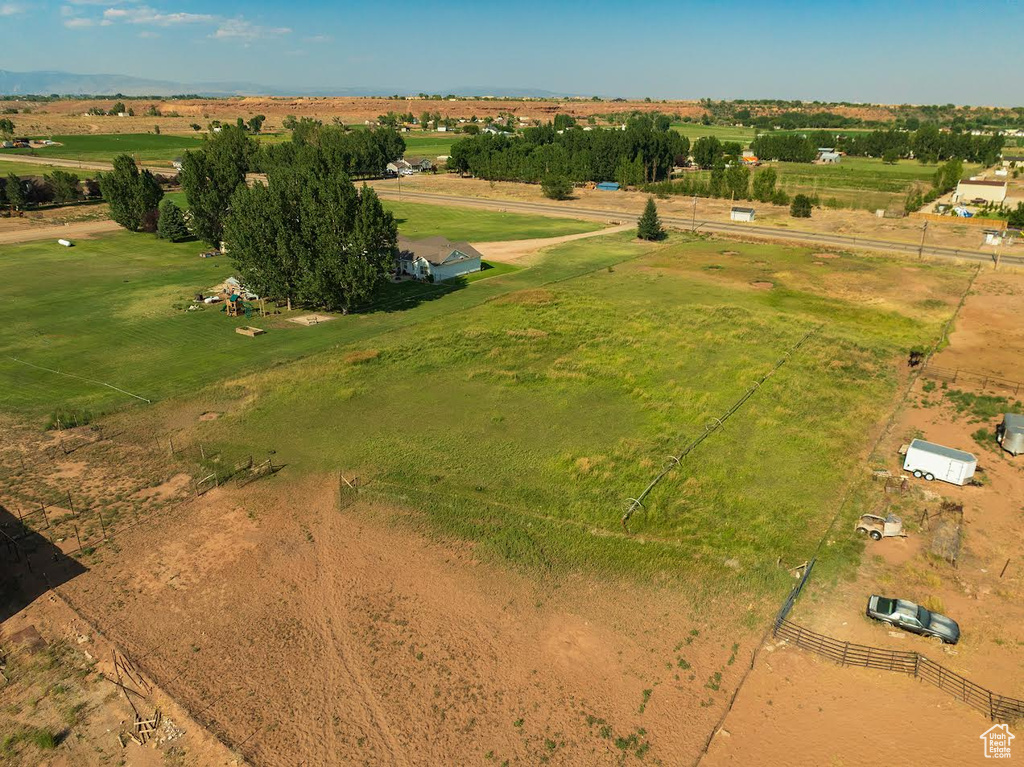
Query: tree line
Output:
(927,144)
(307,235)
(644,152)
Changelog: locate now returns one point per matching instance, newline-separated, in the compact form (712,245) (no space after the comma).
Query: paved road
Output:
(703,225)
(64,231)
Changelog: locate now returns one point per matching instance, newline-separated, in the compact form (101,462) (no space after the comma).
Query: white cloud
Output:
(12,9)
(143,14)
(79,23)
(240,29)
(318,39)
(147,34)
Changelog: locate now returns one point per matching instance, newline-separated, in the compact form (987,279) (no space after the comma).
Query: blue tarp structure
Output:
(608,186)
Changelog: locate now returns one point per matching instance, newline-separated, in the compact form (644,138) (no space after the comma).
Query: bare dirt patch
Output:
(311,319)
(762,285)
(317,635)
(210,415)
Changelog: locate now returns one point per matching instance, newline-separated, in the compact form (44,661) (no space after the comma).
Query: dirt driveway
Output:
(71,231)
(519,250)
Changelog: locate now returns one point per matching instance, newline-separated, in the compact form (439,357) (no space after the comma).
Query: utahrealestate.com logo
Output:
(997,741)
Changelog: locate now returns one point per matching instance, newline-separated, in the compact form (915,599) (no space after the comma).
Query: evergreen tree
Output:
(132,196)
(764,184)
(556,187)
(649,225)
(171,225)
(800,207)
(15,191)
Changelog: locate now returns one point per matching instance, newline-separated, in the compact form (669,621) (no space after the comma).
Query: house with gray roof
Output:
(437,259)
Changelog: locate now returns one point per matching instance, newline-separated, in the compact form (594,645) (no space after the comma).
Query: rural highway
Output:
(703,225)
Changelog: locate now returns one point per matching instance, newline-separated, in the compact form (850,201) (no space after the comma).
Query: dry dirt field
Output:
(303,633)
(68,116)
(796,706)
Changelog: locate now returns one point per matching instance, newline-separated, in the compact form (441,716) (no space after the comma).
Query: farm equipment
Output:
(877,528)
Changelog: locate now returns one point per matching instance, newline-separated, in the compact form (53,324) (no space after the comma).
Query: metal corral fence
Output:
(956,375)
(996,707)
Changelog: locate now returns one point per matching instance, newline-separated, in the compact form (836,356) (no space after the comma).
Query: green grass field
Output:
(420,220)
(521,410)
(430,145)
(863,182)
(694,131)
(145,147)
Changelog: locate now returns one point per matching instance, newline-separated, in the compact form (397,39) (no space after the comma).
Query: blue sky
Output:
(904,51)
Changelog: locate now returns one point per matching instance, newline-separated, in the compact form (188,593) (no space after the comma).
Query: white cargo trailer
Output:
(931,461)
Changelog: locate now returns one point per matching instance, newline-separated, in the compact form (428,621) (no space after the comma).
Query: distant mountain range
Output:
(69,84)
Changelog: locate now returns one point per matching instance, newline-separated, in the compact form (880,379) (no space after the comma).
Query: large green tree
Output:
(210,177)
(311,237)
(15,192)
(171,225)
(64,186)
(132,195)
(556,187)
(764,184)
(707,150)
(6,128)
(801,206)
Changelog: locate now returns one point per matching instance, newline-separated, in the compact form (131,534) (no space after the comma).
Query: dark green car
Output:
(913,618)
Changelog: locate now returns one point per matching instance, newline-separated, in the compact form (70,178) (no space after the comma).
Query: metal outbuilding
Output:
(1010,433)
(742,214)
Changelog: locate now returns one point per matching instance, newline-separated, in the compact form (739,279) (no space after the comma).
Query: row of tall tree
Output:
(644,152)
(734,182)
(358,154)
(927,144)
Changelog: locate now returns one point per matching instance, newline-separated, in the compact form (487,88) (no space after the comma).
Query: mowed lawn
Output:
(144,147)
(422,220)
(113,309)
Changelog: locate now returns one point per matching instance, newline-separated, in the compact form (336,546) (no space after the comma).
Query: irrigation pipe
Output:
(82,378)
(718,423)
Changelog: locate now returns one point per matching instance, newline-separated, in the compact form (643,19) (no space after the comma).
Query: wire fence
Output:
(959,375)
(635,504)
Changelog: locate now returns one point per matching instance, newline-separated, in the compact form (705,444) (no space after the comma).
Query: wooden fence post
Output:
(103,528)
(42,508)
(71,505)
(78,537)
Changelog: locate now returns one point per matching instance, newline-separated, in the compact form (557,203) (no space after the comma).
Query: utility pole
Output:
(924,231)
(693,223)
